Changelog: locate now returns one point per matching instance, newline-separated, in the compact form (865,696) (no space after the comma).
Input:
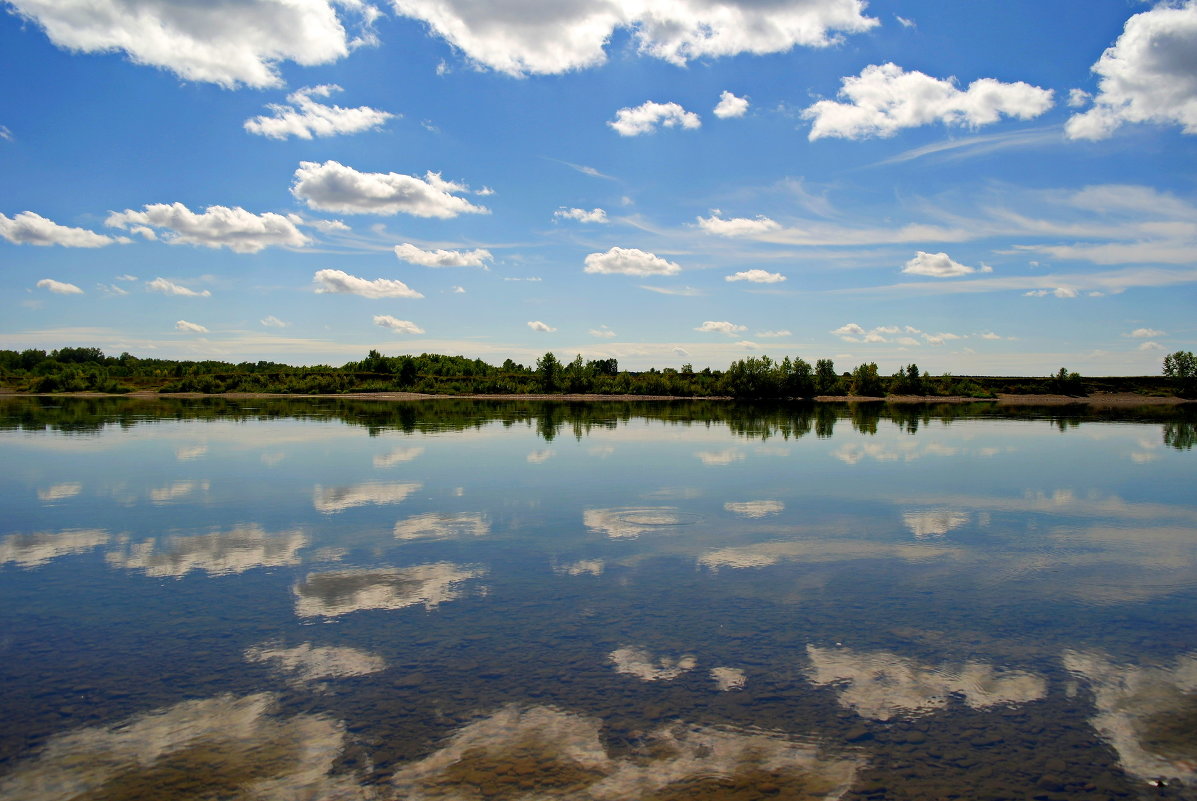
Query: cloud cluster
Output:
(900,335)
(737,226)
(228,43)
(581,215)
(442,258)
(171,288)
(731,106)
(332,186)
(190,328)
(938,265)
(306,117)
(396,325)
(538,326)
(629,261)
(1146,76)
(557,37)
(341,282)
(59,287)
(721,327)
(235,228)
(885,98)
(756,277)
(649,116)
(28,228)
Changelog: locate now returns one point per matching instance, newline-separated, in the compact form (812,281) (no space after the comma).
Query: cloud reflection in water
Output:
(39,548)
(1146,714)
(882,685)
(543,753)
(341,592)
(222,747)
(330,500)
(217,553)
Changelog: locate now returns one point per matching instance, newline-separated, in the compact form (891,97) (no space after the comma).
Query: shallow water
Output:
(283,599)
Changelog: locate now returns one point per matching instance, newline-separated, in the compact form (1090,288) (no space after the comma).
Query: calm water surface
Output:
(463,601)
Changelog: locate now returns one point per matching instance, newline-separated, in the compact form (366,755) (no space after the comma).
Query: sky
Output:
(997,187)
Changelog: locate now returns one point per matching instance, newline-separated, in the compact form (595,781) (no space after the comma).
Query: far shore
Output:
(1097,399)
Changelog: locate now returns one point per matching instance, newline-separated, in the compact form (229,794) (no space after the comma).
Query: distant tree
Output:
(577,377)
(1181,367)
(548,370)
(375,362)
(753,377)
(907,381)
(1066,383)
(407,371)
(826,380)
(607,367)
(866,381)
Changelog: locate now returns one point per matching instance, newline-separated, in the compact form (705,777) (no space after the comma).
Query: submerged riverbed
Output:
(283,599)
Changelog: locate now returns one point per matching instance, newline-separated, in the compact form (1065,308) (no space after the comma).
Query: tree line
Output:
(85,369)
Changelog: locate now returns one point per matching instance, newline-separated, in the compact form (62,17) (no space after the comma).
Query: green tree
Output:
(866,381)
(1181,367)
(1066,383)
(826,380)
(548,370)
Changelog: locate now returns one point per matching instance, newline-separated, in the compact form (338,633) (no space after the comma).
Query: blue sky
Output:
(992,187)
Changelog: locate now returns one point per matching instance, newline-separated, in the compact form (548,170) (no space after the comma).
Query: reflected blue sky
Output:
(398,595)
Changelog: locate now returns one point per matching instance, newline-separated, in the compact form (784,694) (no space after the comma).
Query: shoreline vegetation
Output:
(89,372)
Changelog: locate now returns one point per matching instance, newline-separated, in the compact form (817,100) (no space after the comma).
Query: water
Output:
(277,599)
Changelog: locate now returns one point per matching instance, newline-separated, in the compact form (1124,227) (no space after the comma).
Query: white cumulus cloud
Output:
(228,43)
(537,325)
(235,228)
(649,116)
(1059,292)
(171,288)
(602,331)
(341,282)
(721,327)
(756,277)
(885,98)
(737,226)
(190,328)
(443,258)
(59,287)
(1148,75)
(332,186)
(306,117)
(731,106)
(1145,333)
(581,215)
(270,321)
(398,326)
(557,37)
(28,228)
(937,265)
(630,261)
